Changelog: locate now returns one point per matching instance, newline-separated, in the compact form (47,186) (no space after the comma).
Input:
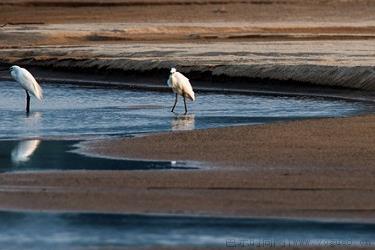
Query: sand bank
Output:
(261,65)
(313,144)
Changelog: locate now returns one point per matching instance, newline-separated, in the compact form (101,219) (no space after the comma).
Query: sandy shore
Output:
(317,168)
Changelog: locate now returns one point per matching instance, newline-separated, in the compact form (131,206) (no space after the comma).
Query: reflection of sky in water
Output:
(105,231)
(80,112)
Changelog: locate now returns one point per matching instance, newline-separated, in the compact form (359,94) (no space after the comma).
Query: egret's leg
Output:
(27,102)
(185,105)
(175,102)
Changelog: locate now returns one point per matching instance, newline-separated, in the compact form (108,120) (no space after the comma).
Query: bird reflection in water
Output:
(23,151)
(33,117)
(183,122)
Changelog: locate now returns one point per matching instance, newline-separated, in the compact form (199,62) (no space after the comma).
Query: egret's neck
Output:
(13,74)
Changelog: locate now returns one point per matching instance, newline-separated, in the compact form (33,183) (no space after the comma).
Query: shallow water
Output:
(82,112)
(93,231)
(78,113)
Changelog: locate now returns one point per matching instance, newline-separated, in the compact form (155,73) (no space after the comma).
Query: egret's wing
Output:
(28,82)
(185,85)
(181,77)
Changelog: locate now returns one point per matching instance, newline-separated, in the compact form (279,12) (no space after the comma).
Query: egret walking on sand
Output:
(181,86)
(28,83)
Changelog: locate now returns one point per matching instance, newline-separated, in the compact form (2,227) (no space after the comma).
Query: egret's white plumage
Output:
(180,85)
(27,81)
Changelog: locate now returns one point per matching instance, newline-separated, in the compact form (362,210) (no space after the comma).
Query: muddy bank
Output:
(290,65)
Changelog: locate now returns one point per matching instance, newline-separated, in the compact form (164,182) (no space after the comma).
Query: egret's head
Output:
(173,70)
(13,71)
(12,68)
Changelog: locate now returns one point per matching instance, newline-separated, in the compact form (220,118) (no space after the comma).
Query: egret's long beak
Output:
(3,70)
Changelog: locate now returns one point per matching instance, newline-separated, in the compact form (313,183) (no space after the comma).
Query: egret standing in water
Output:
(181,86)
(28,83)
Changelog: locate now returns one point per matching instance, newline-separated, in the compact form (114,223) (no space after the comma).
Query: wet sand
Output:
(316,168)
(313,144)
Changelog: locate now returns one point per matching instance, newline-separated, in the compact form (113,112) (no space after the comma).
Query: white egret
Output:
(28,83)
(181,86)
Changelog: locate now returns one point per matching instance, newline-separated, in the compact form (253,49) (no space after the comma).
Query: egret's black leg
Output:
(27,102)
(185,105)
(175,103)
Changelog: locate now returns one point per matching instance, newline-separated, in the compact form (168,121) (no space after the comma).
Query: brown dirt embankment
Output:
(295,65)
